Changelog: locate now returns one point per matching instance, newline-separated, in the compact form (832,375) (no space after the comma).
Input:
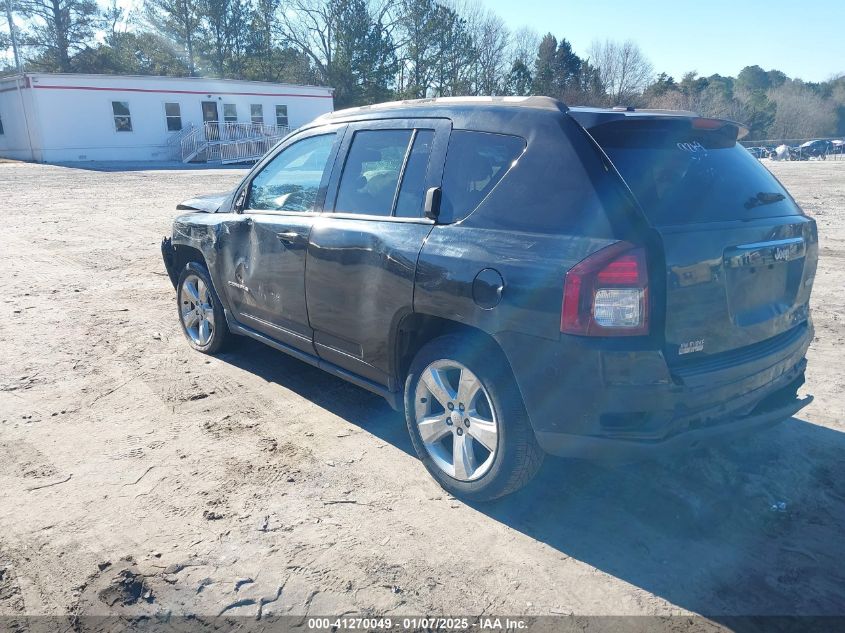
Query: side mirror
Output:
(432,203)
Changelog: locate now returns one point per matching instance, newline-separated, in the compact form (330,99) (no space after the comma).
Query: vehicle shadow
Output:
(355,405)
(752,528)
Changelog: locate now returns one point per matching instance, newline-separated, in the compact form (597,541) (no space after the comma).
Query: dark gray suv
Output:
(520,277)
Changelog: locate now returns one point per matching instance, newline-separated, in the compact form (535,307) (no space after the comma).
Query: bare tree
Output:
(348,44)
(801,113)
(490,43)
(623,68)
(523,45)
(310,26)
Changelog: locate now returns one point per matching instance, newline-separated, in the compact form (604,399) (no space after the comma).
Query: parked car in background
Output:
(815,149)
(758,152)
(519,277)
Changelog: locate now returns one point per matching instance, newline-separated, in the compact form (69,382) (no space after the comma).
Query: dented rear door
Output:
(362,254)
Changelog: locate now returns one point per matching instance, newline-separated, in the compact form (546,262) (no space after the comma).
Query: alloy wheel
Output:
(196,310)
(456,420)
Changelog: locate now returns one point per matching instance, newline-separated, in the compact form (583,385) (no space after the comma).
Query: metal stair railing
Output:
(247,150)
(174,142)
(192,144)
(230,142)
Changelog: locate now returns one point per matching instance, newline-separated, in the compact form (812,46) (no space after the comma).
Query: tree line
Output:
(377,50)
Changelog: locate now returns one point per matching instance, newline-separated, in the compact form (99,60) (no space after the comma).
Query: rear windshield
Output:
(683,175)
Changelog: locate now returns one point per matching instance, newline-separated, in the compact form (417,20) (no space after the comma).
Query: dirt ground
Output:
(140,477)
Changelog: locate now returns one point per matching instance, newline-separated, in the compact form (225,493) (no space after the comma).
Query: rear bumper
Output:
(585,399)
(607,448)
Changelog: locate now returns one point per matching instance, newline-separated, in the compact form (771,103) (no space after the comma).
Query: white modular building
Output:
(76,117)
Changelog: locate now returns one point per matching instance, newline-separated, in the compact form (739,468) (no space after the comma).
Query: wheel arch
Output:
(416,329)
(177,256)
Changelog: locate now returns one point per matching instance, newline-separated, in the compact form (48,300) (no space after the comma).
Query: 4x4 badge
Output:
(691,346)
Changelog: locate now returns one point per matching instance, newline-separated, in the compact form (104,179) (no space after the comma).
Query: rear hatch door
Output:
(740,256)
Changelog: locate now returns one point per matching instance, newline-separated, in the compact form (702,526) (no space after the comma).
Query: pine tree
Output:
(58,29)
(180,21)
(518,81)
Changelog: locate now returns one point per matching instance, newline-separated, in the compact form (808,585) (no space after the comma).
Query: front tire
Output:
(200,311)
(467,420)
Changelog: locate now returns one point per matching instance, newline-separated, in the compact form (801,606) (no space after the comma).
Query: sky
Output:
(803,38)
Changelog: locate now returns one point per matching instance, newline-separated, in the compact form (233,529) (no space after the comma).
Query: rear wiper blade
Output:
(764,197)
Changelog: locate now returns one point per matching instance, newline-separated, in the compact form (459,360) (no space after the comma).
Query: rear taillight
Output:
(606,294)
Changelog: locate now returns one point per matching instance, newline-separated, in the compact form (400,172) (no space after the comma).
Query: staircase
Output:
(174,142)
(224,143)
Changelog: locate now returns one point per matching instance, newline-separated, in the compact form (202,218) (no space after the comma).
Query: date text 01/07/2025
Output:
(417,623)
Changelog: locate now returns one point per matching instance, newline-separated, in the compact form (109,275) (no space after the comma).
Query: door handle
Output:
(289,237)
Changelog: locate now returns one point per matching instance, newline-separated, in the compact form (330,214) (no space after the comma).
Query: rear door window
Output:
(683,175)
(475,163)
(409,204)
(371,174)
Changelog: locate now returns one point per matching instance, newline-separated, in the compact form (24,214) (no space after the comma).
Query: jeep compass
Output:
(518,276)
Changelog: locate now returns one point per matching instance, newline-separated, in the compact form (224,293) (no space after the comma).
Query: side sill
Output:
(394,399)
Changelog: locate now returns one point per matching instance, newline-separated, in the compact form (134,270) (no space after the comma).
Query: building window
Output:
(1,125)
(256,113)
(230,113)
(282,115)
(173,115)
(122,118)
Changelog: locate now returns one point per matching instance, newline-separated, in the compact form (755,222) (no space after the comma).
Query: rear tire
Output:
(200,311)
(467,420)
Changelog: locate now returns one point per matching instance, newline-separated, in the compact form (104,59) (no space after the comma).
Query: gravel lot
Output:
(139,477)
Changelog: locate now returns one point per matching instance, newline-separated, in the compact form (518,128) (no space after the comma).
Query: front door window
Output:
(291,180)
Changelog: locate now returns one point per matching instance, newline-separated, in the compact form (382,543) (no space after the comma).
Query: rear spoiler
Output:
(589,118)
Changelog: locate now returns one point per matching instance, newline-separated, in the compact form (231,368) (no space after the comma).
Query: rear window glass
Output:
(409,204)
(682,175)
(475,162)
